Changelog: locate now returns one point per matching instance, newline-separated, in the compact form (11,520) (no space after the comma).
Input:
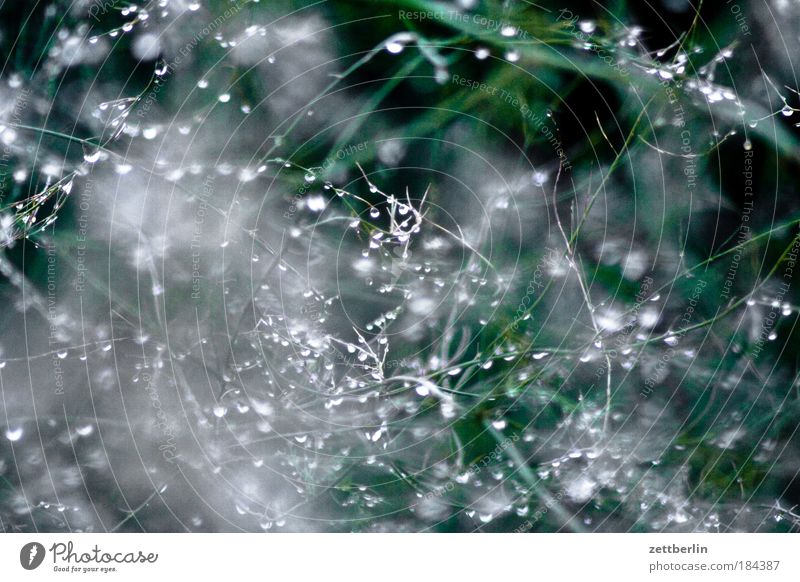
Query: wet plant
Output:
(397,266)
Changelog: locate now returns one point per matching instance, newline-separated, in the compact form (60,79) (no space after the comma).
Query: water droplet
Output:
(92,157)
(14,434)
(85,430)
(315,203)
(508,31)
(394,47)
(539,179)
